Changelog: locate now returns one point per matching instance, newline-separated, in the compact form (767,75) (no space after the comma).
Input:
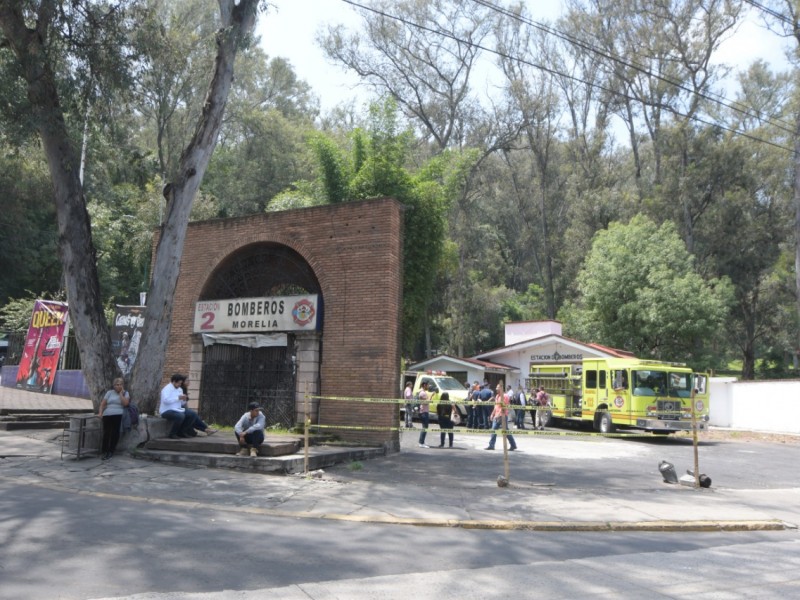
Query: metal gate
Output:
(234,376)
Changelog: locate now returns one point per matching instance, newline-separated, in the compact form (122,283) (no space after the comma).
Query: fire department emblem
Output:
(699,406)
(303,312)
(619,401)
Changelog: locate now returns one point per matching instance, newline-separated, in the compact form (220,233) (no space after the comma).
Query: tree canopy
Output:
(605,177)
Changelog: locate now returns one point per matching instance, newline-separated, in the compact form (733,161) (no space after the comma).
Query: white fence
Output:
(757,405)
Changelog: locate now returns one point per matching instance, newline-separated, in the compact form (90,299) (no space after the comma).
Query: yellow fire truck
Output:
(625,392)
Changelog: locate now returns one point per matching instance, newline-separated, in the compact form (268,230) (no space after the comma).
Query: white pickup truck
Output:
(438,382)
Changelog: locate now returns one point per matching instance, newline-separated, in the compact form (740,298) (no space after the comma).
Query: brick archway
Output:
(351,255)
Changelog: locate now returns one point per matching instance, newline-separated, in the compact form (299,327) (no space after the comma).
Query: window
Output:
(591,379)
(602,380)
(620,379)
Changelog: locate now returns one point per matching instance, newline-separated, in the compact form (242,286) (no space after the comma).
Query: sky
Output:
(290,27)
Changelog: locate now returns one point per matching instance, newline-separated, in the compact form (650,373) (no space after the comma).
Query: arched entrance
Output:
(259,361)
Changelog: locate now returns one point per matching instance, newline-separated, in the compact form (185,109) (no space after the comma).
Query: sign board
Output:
(48,326)
(279,313)
(126,335)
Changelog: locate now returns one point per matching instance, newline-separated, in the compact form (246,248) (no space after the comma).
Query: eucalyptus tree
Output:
(660,56)
(783,16)
(533,96)
(423,53)
(55,49)
(175,51)
(747,235)
(262,148)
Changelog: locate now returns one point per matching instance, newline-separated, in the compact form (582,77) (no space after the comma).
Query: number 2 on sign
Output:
(208,323)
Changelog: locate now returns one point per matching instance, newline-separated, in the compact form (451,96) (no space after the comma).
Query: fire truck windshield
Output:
(661,383)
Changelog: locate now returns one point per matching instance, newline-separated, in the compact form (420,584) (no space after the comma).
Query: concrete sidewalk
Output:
(383,491)
(16,399)
(421,487)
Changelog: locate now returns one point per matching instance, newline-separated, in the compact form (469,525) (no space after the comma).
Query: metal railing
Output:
(70,360)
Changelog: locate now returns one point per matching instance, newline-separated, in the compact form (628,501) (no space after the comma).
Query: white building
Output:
(528,343)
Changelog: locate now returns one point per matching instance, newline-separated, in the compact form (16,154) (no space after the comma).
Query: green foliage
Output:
(639,292)
(28,232)
(376,166)
(525,306)
(334,171)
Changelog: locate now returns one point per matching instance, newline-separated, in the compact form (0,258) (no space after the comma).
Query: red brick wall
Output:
(356,252)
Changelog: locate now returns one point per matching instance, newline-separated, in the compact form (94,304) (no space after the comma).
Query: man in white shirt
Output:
(172,408)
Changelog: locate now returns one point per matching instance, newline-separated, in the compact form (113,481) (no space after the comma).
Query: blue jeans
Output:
(253,439)
(426,419)
(472,417)
(483,415)
(176,418)
(498,424)
(409,414)
(520,417)
(182,422)
(190,422)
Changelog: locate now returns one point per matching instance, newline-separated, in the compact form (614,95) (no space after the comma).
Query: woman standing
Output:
(499,419)
(443,411)
(111,407)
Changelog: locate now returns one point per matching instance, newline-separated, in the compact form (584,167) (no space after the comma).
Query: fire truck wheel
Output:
(605,424)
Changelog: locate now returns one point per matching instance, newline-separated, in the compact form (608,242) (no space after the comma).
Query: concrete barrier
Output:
(149,428)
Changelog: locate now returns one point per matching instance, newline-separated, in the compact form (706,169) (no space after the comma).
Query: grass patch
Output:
(355,466)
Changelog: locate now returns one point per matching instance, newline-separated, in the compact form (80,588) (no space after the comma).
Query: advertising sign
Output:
(48,326)
(125,336)
(279,313)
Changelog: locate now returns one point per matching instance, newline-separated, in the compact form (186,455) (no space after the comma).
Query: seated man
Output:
(172,408)
(249,430)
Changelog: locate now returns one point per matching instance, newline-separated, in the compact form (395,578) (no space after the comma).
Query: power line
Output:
(555,72)
(771,12)
(710,96)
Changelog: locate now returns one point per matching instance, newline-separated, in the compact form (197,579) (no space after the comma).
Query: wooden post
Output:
(694,443)
(307,423)
(505,449)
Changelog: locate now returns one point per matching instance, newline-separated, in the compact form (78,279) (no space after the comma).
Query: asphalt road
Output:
(58,545)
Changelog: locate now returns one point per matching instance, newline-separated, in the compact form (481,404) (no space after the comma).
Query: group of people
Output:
(185,422)
(482,401)
(486,410)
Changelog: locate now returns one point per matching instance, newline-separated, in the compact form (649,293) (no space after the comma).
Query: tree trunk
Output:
(237,22)
(75,247)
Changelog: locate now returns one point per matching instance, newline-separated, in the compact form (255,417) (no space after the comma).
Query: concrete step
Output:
(34,417)
(319,457)
(221,443)
(21,425)
(41,411)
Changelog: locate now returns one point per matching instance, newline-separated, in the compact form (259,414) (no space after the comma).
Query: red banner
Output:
(46,332)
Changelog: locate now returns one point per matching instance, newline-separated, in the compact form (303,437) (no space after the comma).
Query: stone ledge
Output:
(319,457)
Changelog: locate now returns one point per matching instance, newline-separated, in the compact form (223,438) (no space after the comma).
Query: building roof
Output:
(541,340)
(467,362)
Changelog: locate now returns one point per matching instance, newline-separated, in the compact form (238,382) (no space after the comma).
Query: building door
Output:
(234,376)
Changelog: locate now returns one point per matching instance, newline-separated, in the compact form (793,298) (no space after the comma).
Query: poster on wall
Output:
(46,332)
(126,335)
